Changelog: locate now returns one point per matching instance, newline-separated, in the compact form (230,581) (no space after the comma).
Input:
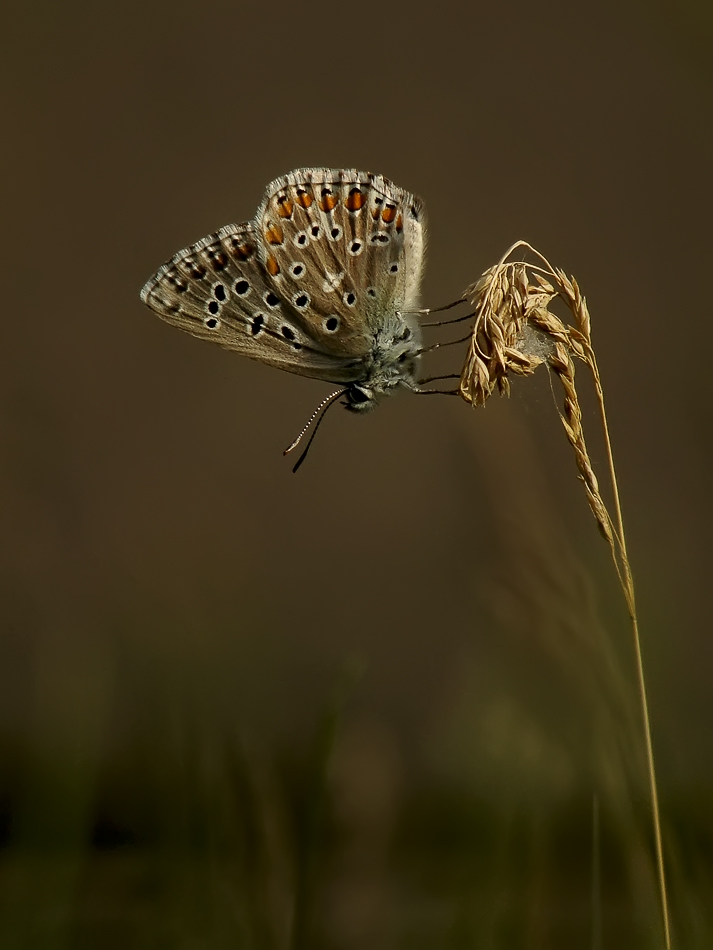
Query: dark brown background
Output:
(164,574)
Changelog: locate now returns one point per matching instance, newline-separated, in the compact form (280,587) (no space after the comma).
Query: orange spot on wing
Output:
(273,268)
(217,257)
(399,223)
(274,234)
(328,203)
(388,214)
(241,250)
(355,200)
(284,206)
(304,199)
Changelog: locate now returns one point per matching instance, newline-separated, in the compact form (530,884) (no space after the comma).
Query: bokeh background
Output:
(389,701)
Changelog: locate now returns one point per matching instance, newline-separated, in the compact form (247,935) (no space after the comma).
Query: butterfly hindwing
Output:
(347,246)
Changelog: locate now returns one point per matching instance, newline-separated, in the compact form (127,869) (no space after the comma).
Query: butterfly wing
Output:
(219,290)
(347,250)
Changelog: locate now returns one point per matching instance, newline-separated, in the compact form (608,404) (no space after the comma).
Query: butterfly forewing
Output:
(218,290)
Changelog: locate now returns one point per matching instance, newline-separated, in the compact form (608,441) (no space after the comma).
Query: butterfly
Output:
(320,283)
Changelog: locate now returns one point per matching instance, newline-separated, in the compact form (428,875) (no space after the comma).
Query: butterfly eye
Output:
(358,396)
(331,324)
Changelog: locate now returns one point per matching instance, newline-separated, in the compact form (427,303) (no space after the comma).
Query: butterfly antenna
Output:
(321,408)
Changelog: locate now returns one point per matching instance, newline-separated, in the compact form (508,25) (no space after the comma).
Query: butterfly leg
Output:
(437,392)
(437,346)
(432,379)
